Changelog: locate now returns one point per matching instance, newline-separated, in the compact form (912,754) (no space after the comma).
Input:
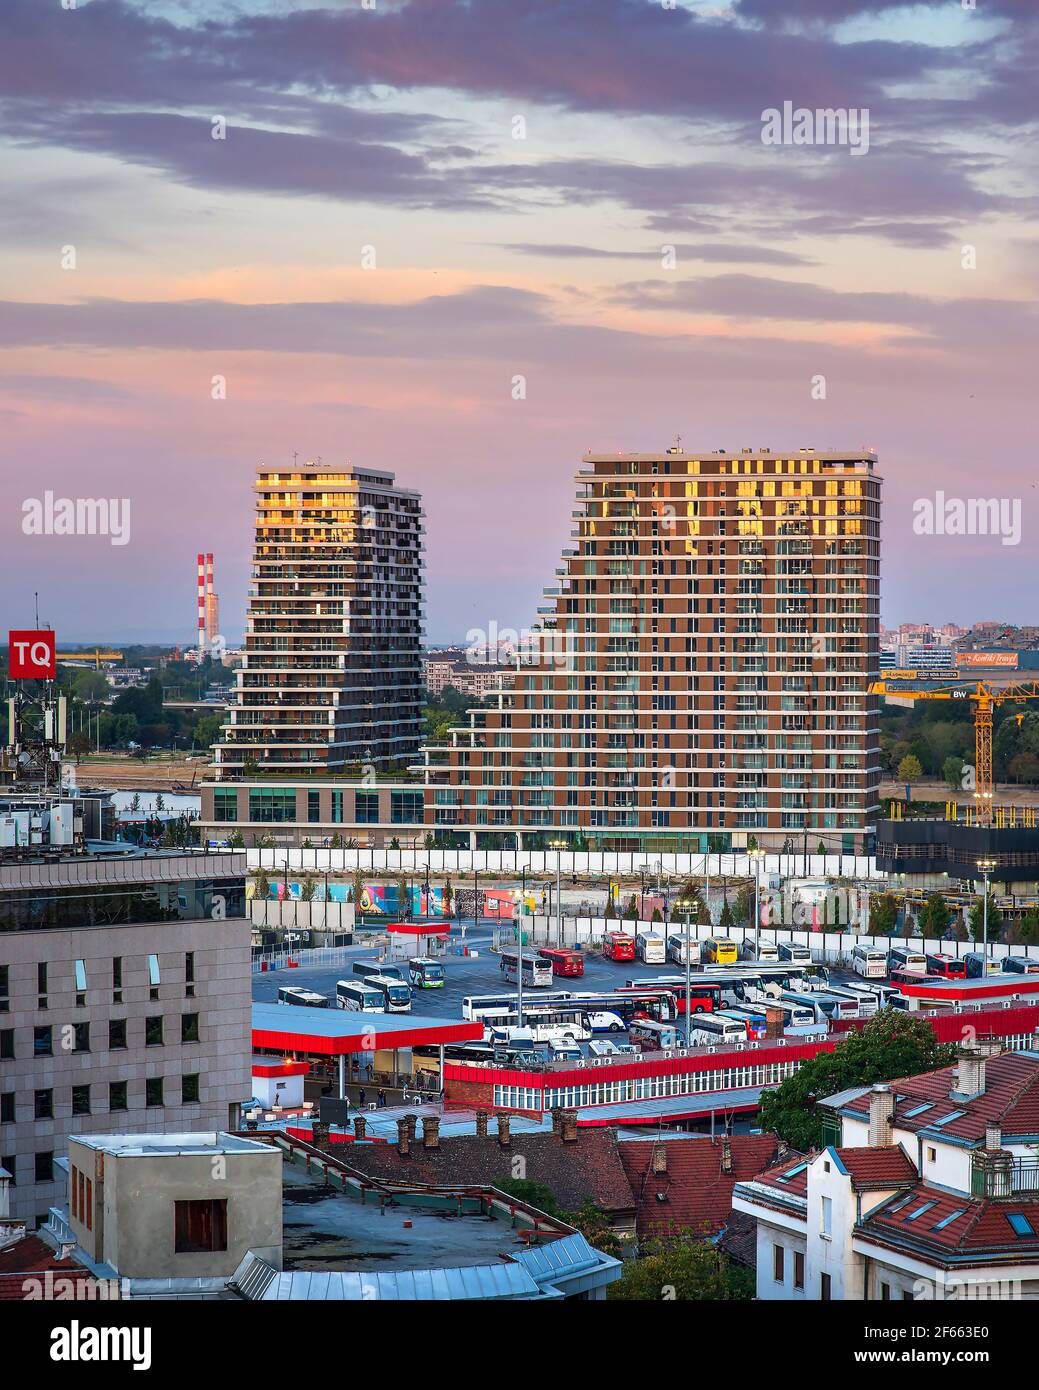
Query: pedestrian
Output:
(370,1070)
(381,1100)
(360,1099)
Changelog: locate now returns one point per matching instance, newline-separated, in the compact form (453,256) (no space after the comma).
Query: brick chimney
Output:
(503,1130)
(568,1126)
(481,1124)
(403,1137)
(969,1075)
(881,1113)
(318,1134)
(659,1164)
(557,1119)
(431,1132)
(360,1127)
(726,1159)
(994,1138)
(411,1120)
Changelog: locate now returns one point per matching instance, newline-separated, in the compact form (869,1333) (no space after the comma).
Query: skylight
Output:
(948,1220)
(945,1119)
(1020,1223)
(785,1177)
(919,1109)
(902,1202)
(919,1211)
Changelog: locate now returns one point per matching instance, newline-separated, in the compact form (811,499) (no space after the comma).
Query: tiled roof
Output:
(740,1239)
(696,1188)
(947,1222)
(789,1175)
(887,1166)
(589,1169)
(1011,1099)
(31,1258)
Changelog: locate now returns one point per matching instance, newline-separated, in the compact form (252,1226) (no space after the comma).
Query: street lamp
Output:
(986,867)
(558,846)
(757,855)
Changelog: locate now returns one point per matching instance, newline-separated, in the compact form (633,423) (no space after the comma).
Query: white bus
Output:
(794,1015)
(824,1005)
(865,1001)
(426,973)
(712,1029)
(650,1036)
(309,998)
(364,968)
(906,959)
(360,995)
(649,947)
(481,1008)
(537,973)
(396,995)
(680,950)
(764,953)
(542,1023)
(870,962)
(797,955)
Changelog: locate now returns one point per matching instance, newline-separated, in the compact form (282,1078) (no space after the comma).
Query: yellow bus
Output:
(719,950)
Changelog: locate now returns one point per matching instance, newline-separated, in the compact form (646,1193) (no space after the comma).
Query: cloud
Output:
(731,252)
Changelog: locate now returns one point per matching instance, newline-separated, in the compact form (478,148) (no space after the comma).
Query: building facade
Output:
(332,667)
(139,1028)
(704,669)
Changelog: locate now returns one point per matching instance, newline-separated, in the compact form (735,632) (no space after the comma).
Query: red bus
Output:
(563,962)
(910,977)
(616,945)
(946,967)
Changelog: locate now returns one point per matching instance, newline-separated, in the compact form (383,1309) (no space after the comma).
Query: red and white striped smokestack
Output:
(202,602)
(209,574)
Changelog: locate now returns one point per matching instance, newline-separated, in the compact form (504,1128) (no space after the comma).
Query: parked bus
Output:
(563,962)
(824,1006)
(794,1015)
(906,959)
(309,998)
(866,1003)
(360,995)
(945,967)
(978,964)
(870,962)
(396,995)
(649,947)
(617,945)
(704,995)
(537,973)
(759,952)
(425,973)
(545,1023)
(659,1004)
(755,1023)
(478,1008)
(680,950)
(874,997)
(364,968)
(711,1030)
(650,1036)
(797,955)
(719,950)
(1020,965)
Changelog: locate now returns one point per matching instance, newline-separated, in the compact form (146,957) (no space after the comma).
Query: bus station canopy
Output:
(332,1032)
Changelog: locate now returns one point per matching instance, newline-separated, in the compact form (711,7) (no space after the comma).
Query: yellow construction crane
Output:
(97,656)
(984,697)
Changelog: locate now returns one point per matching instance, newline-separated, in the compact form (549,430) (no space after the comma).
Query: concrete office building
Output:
(141,1027)
(332,669)
(704,670)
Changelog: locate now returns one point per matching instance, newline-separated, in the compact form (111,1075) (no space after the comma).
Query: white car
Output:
(605,1022)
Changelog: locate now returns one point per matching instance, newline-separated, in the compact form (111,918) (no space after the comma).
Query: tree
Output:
(631,909)
(890,1044)
(609,911)
(910,769)
(744,906)
(261,885)
(78,744)
(594,1225)
(91,687)
(976,920)
(934,918)
(952,771)
(752,842)
(726,921)
(307,889)
(683,1267)
(207,730)
(657,915)
(883,915)
(820,848)
(535,1194)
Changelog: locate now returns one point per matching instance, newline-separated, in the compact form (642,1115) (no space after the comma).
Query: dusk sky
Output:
(142,258)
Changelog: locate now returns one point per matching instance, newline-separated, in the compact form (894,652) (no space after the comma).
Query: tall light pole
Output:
(757,855)
(558,846)
(986,866)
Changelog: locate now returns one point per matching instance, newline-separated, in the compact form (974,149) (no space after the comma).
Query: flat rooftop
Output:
(161,1145)
(296,1028)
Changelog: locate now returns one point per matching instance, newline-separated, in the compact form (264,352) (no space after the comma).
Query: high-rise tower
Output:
(705,666)
(331,674)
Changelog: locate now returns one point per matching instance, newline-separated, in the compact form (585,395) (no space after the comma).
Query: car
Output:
(605,1022)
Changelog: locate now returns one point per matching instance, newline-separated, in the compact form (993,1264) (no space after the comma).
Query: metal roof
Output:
(670,1107)
(332,1031)
(508,1280)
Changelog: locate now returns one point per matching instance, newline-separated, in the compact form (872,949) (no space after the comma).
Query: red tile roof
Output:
(887,1166)
(1010,1099)
(977,1226)
(30,1258)
(696,1186)
(779,1175)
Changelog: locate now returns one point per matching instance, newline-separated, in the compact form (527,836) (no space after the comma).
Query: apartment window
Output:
(337,807)
(189,1028)
(42,1041)
(272,804)
(799,1269)
(313,807)
(154,978)
(189,1092)
(117,1095)
(778,1266)
(153,1091)
(45,1167)
(8,1162)
(366,806)
(7,1044)
(41,984)
(827,1216)
(932,1154)
(225,804)
(824,1288)
(153,1031)
(81,1037)
(5,985)
(189,967)
(81,976)
(116,1034)
(43,1105)
(406,808)
(885,1293)
(199,1227)
(117,979)
(81,1100)
(7,1108)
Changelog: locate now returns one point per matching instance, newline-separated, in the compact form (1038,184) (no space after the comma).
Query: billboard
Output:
(986,659)
(32,654)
